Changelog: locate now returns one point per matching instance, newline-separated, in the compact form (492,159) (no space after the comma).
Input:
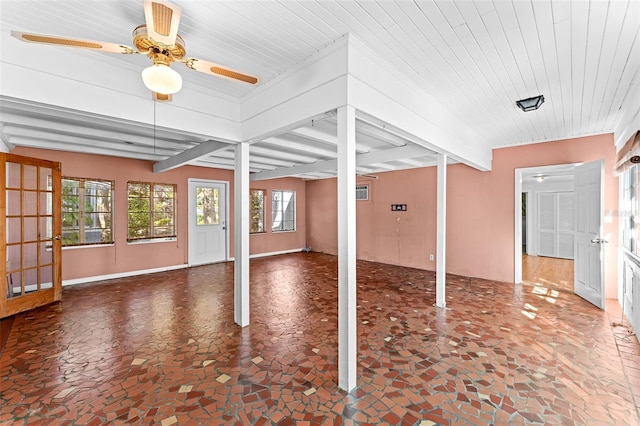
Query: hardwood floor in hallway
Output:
(163,349)
(548,272)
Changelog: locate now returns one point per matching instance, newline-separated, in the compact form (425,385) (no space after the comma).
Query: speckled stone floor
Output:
(163,349)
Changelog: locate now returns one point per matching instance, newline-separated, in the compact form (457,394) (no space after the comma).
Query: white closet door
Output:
(546,224)
(566,228)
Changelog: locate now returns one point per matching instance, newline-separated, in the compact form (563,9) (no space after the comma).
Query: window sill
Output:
(153,240)
(631,255)
(283,232)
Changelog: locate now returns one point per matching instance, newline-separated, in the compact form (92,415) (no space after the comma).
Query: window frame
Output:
(152,198)
(631,209)
(260,214)
(81,227)
(282,212)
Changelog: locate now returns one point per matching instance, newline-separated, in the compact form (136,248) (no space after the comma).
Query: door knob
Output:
(599,241)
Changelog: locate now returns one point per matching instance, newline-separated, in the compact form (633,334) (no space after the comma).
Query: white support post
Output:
(241,235)
(441,231)
(347,336)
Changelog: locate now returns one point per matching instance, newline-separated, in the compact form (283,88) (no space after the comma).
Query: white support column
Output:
(347,336)
(441,231)
(241,234)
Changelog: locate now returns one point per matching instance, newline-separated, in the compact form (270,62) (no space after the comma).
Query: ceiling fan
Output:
(158,39)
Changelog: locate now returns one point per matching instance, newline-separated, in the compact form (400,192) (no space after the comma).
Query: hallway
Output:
(163,349)
(550,272)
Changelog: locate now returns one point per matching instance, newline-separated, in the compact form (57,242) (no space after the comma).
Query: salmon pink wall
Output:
(480,216)
(121,257)
(396,237)
(480,211)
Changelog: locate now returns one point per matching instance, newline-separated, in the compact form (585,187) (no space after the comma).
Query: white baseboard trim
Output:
(121,275)
(271,253)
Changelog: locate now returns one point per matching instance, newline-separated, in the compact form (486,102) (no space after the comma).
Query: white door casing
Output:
(589,240)
(208,242)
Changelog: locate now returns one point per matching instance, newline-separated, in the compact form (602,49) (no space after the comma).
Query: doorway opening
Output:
(544,226)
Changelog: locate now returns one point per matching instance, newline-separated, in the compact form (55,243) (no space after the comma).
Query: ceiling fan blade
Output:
(73,42)
(217,70)
(162,19)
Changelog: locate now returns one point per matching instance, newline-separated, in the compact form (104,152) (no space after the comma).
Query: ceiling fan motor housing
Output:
(159,52)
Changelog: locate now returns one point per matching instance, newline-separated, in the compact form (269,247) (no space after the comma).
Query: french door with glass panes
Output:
(30,207)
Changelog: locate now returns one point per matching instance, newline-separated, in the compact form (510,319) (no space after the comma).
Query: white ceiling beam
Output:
(320,166)
(384,167)
(378,132)
(382,156)
(365,170)
(361,160)
(411,163)
(221,163)
(92,132)
(317,135)
(273,163)
(202,150)
(101,150)
(286,156)
(85,144)
(285,143)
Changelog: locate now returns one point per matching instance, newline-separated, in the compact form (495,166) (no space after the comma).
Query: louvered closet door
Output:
(566,228)
(547,224)
(556,227)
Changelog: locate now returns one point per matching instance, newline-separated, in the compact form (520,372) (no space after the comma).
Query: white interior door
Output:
(589,241)
(207,222)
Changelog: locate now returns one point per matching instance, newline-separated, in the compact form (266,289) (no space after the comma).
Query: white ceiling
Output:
(476,58)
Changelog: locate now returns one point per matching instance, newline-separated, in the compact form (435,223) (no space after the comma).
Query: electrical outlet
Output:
(431,257)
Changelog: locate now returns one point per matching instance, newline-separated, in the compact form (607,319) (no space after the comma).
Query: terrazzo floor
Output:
(163,349)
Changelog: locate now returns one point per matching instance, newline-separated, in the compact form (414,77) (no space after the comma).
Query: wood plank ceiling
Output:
(474,57)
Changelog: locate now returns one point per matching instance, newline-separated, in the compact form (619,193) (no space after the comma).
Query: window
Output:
(207,206)
(362,192)
(257,211)
(631,209)
(283,211)
(87,216)
(151,210)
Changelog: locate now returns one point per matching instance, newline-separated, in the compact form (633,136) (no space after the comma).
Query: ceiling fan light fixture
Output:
(162,79)
(530,104)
